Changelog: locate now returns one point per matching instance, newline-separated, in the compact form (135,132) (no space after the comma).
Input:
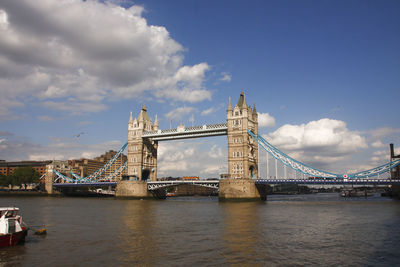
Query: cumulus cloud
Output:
(215,152)
(384,132)
(208,111)
(16,148)
(265,120)
(318,143)
(181,158)
(378,144)
(74,54)
(226,77)
(179,113)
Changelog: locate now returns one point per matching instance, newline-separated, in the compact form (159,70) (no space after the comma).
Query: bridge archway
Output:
(252,173)
(146,174)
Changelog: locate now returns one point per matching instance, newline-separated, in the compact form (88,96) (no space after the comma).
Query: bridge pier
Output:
(137,189)
(49,179)
(241,190)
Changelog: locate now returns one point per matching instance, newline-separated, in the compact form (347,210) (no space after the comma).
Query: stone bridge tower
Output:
(142,152)
(242,148)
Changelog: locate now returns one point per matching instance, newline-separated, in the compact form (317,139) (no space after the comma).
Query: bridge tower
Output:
(242,149)
(142,152)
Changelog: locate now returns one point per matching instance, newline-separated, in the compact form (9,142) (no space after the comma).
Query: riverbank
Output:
(22,192)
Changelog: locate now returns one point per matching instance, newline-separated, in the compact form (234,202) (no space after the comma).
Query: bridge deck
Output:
(215,183)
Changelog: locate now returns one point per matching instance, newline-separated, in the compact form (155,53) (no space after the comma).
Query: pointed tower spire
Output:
(254,108)
(130,118)
(229,104)
(155,125)
(242,101)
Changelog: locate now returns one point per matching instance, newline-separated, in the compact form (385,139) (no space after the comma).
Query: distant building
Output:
(82,167)
(190,178)
(85,167)
(8,167)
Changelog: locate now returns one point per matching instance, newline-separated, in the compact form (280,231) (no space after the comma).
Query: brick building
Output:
(8,167)
(85,167)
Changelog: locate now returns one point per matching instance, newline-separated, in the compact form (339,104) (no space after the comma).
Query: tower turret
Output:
(242,150)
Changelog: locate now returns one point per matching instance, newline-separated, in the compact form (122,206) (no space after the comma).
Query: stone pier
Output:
(241,190)
(138,190)
(49,178)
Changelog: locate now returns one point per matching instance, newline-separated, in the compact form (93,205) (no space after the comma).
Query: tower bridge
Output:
(144,135)
(241,129)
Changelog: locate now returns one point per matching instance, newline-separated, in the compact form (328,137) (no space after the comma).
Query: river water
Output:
(311,230)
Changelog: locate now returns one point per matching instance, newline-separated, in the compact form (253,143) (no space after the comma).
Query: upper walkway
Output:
(182,132)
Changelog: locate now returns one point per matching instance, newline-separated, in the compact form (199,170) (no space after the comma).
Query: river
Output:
(311,230)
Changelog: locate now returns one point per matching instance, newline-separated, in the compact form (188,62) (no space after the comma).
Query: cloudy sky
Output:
(324,75)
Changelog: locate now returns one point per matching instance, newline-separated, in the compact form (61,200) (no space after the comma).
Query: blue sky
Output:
(324,75)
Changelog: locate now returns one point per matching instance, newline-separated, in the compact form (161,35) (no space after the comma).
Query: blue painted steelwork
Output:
(61,176)
(94,176)
(329,181)
(305,169)
(215,183)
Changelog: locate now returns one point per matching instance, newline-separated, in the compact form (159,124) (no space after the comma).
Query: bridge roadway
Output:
(215,183)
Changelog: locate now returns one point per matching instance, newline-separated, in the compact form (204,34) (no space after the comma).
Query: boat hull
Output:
(13,239)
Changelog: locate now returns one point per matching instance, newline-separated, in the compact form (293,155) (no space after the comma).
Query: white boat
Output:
(12,229)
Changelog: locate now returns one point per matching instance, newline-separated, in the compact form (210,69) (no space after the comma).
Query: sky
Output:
(324,76)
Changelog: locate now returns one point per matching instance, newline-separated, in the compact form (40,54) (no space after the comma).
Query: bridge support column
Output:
(132,189)
(49,179)
(241,190)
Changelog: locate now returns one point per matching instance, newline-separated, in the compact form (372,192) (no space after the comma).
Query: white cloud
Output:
(384,132)
(180,158)
(265,120)
(208,111)
(226,77)
(215,152)
(212,169)
(378,144)
(14,148)
(115,54)
(179,113)
(318,143)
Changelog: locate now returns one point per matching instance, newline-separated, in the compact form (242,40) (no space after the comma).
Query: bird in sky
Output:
(78,135)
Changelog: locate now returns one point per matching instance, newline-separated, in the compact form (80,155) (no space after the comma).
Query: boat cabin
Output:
(10,221)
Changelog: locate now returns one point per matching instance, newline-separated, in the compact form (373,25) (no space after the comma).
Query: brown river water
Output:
(302,230)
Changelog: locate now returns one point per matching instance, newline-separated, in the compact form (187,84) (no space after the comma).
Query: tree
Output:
(25,175)
(6,180)
(3,180)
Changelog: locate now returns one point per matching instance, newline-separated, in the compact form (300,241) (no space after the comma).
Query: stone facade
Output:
(242,149)
(241,189)
(142,153)
(136,189)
